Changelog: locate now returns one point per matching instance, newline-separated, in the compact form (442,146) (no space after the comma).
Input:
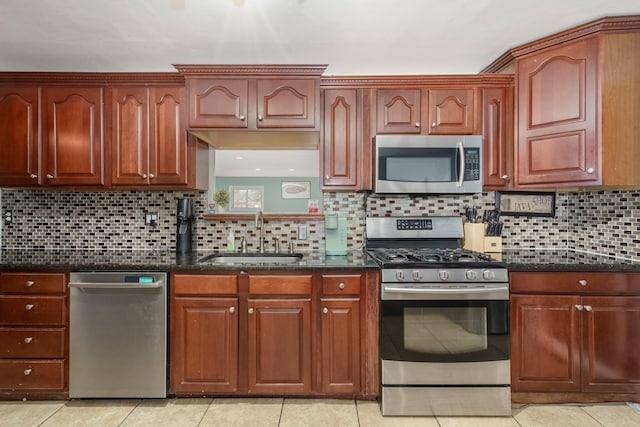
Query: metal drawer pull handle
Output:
(29,283)
(27,340)
(588,307)
(232,309)
(579,307)
(582,282)
(28,306)
(325,310)
(27,371)
(341,285)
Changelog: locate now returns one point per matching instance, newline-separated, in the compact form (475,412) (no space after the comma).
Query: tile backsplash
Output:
(603,222)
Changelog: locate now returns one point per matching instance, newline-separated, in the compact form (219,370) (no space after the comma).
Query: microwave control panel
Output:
(472,164)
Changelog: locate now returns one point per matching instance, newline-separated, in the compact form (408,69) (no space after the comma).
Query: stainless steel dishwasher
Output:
(118,334)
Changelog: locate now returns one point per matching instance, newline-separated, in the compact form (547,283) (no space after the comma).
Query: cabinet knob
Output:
(143,176)
(341,285)
(325,310)
(151,176)
(232,309)
(260,117)
(27,371)
(29,283)
(582,282)
(590,170)
(28,306)
(417,124)
(28,340)
(242,117)
(49,176)
(251,311)
(588,307)
(579,307)
(434,125)
(33,176)
(505,177)
(327,177)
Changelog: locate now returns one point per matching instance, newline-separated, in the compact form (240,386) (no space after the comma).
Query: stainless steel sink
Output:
(255,258)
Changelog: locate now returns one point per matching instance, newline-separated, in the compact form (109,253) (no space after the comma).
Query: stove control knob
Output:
(472,275)
(417,275)
(443,275)
(400,275)
(488,275)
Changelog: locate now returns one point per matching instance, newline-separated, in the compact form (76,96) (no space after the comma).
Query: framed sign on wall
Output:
(526,203)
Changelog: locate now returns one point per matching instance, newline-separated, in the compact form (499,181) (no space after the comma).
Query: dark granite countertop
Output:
(564,260)
(155,260)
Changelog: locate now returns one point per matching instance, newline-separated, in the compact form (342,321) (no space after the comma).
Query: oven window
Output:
(444,331)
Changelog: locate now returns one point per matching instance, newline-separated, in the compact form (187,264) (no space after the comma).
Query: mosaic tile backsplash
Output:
(604,222)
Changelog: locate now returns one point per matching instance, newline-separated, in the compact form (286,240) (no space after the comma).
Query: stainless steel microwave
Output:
(420,164)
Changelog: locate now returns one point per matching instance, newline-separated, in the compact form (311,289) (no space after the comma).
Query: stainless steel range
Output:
(444,324)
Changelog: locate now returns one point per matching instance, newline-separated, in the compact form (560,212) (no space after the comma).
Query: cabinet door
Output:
(340,327)
(557,104)
(167,136)
(496,111)
(129,136)
(72,136)
(545,343)
(287,103)
(18,136)
(218,103)
(279,350)
(340,138)
(204,349)
(611,362)
(451,111)
(398,110)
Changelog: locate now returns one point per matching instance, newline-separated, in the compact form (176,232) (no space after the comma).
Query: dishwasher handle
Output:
(116,285)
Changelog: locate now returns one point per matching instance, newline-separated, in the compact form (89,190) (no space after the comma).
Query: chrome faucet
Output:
(260,220)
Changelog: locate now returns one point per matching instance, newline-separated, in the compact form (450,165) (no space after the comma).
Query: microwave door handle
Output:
(461,164)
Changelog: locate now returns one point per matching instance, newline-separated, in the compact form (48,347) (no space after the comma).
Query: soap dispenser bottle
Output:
(231,241)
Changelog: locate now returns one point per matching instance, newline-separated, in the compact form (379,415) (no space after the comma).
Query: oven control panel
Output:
(414,224)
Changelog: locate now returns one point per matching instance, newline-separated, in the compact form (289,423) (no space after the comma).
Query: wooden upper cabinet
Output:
(285,103)
(148,139)
(19,136)
(497,110)
(398,110)
(557,97)
(72,136)
(340,144)
(451,111)
(218,103)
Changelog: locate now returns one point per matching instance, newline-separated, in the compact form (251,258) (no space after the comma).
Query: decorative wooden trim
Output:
(608,24)
(474,80)
(99,79)
(250,70)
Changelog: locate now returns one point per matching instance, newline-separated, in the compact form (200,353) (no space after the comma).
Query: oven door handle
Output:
(461,164)
(391,289)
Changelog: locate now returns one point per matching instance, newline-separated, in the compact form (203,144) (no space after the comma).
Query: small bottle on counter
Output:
(231,241)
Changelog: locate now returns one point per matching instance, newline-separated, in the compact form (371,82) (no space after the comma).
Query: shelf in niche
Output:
(291,216)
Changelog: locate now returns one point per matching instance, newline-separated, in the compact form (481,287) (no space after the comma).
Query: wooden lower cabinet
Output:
(263,333)
(575,343)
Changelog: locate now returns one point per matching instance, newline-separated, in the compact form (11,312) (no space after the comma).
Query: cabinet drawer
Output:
(32,374)
(32,283)
(16,310)
(194,284)
(575,282)
(282,285)
(341,285)
(32,343)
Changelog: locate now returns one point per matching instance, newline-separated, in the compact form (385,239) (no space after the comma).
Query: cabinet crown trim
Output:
(251,70)
(444,80)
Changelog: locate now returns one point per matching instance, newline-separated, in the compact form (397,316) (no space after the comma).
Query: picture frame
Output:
(296,189)
(526,203)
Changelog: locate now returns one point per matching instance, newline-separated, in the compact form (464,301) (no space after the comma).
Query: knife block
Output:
(474,236)
(492,244)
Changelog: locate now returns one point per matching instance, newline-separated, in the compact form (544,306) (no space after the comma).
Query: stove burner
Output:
(428,255)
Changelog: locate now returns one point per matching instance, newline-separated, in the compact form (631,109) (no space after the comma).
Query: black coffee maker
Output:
(184,225)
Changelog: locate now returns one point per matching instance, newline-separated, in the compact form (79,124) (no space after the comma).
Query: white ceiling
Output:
(355,37)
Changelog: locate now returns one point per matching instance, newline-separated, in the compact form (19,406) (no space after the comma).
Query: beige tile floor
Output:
(278,412)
